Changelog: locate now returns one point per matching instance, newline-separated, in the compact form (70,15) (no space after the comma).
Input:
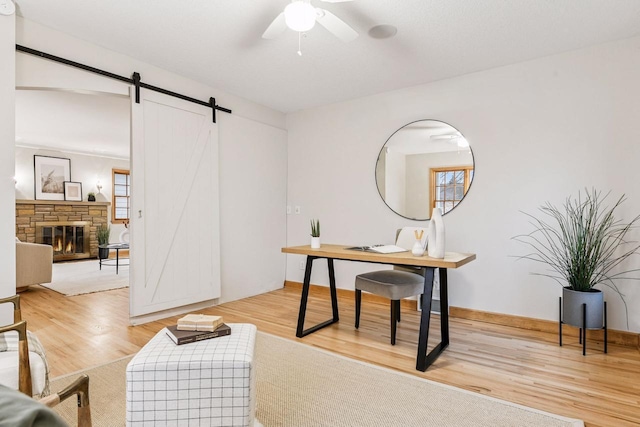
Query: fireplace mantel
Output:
(60,202)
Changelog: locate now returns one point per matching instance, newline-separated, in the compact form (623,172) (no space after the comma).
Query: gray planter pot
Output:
(103,253)
(572,308)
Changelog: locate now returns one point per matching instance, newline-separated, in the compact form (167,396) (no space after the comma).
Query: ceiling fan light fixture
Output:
(300,16)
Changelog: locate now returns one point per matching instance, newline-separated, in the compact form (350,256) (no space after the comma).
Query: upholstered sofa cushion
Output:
(34,264)
(19,410)
(9,363)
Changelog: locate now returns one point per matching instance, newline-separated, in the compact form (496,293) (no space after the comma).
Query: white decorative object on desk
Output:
(436,234)
(418,246)
(315,234)
(418,249)
(315,243)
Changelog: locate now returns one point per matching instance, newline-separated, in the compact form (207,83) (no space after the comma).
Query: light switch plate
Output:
(7,7)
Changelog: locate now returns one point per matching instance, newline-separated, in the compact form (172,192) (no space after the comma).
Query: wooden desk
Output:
(331,252)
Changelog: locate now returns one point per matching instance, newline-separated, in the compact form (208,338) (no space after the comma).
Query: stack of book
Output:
(197,327)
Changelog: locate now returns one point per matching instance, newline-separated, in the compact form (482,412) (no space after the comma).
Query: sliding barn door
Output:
(175,232)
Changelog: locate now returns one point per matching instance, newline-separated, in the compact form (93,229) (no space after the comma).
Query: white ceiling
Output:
(219,42)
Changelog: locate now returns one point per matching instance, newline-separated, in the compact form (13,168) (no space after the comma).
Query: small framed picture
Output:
(50,175)
(73,191)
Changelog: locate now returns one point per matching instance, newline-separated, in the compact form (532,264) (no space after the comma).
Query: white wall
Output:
(7,141)
(35,72)
(84,169)
(251,127)
(540,130)
(395,191)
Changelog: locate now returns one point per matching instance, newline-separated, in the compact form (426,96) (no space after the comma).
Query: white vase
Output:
(436,234)
(315,243)
(418,249)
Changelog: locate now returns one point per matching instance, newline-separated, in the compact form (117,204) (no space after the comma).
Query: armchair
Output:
(15,343)
(34,264)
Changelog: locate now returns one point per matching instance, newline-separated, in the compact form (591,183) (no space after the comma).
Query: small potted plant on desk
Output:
(315,234)
(584,245)
(103,234)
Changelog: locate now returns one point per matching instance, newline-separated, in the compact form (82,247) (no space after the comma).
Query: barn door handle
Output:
(139,214)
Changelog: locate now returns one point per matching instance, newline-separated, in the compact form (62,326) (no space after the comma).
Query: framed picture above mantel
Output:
(73,191)
(50,174)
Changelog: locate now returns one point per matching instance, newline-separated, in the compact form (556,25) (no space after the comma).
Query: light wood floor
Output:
(513,364)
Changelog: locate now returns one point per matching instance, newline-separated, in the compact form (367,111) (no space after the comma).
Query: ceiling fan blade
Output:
(336,26)
(277,27)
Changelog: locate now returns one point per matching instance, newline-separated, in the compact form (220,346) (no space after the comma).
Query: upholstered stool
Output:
(393,284)
(206,383)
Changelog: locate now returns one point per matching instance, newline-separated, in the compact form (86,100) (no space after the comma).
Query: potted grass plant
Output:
(315,234)
(583,245)
(102,234)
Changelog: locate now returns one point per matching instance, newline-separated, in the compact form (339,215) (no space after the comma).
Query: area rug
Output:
(298,385)
(85,277)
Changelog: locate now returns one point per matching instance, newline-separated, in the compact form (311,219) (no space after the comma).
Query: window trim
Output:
(113,195)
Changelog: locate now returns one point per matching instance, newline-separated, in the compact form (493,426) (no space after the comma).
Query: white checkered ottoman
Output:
(206,383)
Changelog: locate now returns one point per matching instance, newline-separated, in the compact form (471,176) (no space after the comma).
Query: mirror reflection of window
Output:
(449,185)
(423,165)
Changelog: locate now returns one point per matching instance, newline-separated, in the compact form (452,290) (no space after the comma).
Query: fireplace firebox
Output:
(70,240)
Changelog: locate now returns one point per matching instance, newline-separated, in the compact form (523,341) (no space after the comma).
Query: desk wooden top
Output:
(450,260)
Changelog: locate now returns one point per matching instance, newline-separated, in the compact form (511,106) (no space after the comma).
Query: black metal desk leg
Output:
(444,307)
(301,332)
(304,297)
(332,286)
(427,295)
(117,259)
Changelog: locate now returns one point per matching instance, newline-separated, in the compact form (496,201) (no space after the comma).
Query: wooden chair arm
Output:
(15,299)
(79,387)
(24,369)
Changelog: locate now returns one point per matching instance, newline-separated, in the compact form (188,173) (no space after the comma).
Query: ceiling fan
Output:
(301,16)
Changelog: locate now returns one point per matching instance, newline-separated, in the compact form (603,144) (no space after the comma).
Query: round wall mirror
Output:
(423,165)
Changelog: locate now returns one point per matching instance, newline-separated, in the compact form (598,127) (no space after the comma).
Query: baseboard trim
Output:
(623,338)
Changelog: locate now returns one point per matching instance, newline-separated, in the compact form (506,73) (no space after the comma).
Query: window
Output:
(449,185)
(121,204)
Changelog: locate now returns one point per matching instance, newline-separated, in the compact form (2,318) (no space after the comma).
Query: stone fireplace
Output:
(70,227)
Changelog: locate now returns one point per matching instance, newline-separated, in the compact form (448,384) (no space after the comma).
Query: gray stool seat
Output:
(393,284)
